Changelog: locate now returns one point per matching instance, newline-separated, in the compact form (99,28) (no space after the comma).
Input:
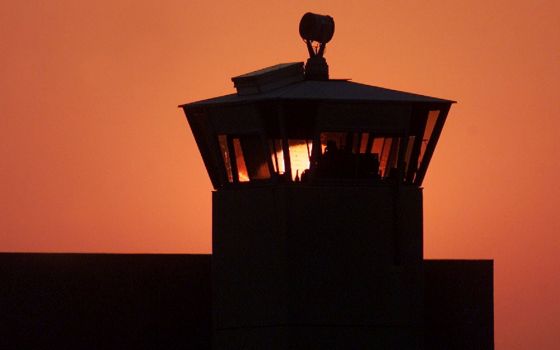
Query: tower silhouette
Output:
(317,207)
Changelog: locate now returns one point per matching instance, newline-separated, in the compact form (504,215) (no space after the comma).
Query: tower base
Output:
(325,267)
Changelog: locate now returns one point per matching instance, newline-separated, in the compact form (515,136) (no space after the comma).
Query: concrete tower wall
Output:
(317,266)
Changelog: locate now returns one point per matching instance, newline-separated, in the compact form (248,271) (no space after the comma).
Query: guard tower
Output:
(317,206)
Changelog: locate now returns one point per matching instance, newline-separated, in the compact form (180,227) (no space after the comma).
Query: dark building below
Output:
(104,301)
(142,301)
(459,304)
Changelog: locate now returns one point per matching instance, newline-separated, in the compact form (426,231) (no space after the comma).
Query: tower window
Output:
(244,158)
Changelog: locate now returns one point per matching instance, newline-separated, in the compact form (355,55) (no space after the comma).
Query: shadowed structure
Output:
(317,211)
(154,301)
(104,301)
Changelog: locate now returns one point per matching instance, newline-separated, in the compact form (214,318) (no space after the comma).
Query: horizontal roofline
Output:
(330,90)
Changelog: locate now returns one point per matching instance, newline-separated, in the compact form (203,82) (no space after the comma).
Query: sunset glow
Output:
(300,152)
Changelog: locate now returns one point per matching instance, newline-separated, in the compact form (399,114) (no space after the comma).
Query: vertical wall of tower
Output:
(305,266)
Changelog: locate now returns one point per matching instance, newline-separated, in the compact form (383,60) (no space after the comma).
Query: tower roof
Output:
(320,90)
(282,103)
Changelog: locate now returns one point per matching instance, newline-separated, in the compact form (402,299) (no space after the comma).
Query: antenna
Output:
(319,29)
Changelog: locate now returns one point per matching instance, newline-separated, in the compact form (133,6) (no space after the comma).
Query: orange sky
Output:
(96,157)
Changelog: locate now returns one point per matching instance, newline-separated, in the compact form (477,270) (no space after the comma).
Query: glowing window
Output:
(242,173)
(300,154)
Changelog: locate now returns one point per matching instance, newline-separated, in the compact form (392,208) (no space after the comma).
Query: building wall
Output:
(459,304)
(102,301)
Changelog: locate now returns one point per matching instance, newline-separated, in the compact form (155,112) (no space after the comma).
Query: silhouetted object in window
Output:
(330,162)
(305,176)
(344,164)
(368,166)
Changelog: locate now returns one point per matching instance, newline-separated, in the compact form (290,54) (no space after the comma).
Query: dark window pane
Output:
(430,124)
(408,153)
(222,139)
(277,156)
(364,142)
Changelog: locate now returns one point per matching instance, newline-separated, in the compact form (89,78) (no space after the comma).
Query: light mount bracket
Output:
(319,29)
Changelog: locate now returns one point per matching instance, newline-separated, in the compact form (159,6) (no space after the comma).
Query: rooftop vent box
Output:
(269,78)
